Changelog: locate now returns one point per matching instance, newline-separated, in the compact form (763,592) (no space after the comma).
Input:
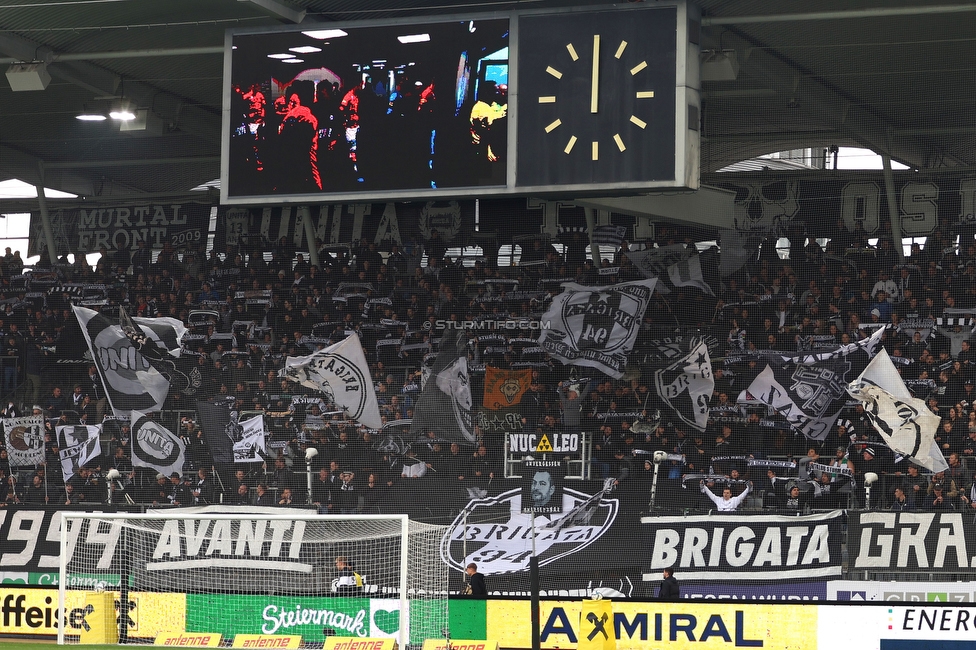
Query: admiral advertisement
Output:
(121,227)
(933,542)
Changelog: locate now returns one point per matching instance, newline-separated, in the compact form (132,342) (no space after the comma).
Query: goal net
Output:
(256,572)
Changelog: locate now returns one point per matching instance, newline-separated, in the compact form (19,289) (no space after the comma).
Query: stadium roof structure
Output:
(894,76)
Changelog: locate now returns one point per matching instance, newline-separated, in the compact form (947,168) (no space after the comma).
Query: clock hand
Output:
(595,75)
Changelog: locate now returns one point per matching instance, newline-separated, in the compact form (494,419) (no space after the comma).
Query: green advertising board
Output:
(311,617)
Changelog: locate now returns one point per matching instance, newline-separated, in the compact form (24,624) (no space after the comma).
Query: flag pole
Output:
(534,581)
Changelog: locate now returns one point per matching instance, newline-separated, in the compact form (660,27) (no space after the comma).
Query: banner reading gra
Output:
(934,542)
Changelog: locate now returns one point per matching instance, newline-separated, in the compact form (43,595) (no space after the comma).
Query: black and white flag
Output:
(155,446)
(596,326)
(654,262)
(24,439)
(809,397)
(688,273)
(221,429)
(131,382)
(341,372)
(903,421)
(609,235)
(252,447)
(445,404)
(686,385)
(78,445)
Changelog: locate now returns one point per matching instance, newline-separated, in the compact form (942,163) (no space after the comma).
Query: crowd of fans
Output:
(245,314)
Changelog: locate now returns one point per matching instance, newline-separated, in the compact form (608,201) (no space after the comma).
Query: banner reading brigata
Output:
(758,547)
(120,227)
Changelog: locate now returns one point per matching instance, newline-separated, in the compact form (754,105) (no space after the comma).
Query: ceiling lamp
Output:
(325,34)
(90,116)
(414,38)
(719,65)
(28,76)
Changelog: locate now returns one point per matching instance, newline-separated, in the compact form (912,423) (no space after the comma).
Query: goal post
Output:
(255,571)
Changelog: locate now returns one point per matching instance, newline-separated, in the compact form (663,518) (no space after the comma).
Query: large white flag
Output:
(905,423)
(78,445)
(131,381)
(687,384)
(688,273)
(596,326)
(155,446)
(25,440)
(341,372)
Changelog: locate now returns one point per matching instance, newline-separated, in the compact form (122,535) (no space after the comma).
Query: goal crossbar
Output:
(398,531)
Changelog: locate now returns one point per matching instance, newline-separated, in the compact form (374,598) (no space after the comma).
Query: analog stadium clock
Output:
(597,97)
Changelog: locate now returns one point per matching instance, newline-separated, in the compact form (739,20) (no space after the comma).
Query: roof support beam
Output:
(279,10)
(173,109)
(877,12)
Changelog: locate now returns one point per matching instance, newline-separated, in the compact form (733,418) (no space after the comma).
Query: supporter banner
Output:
(647,626)
(809,397)
(688,273)
(221,429)
(504,388)
(120,227)
(24,439)
(341,372)
(380,223)
(596,326)
(915,592)
(542,486)
(78,445)
(444,405)
(545,443)
(828,206)
(30,542)
(933,542)
(686,385)
(756,547)
(131,383)
(155,446)
(904,422)
(654,262)
(252,447)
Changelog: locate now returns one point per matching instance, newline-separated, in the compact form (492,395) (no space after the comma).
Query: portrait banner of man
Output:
(542,489)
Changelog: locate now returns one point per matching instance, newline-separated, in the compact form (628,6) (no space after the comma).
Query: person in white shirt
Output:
(886,285)
(726,502)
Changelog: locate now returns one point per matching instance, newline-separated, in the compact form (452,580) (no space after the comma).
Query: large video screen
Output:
(368,109)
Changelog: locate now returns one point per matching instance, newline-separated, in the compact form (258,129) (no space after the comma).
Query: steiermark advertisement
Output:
(310,617)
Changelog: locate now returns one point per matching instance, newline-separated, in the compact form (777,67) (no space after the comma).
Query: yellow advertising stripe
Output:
(270,641)
(151,613)
(650,626)
(357,643)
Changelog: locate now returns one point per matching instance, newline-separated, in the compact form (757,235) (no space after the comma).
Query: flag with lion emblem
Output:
(504,388)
